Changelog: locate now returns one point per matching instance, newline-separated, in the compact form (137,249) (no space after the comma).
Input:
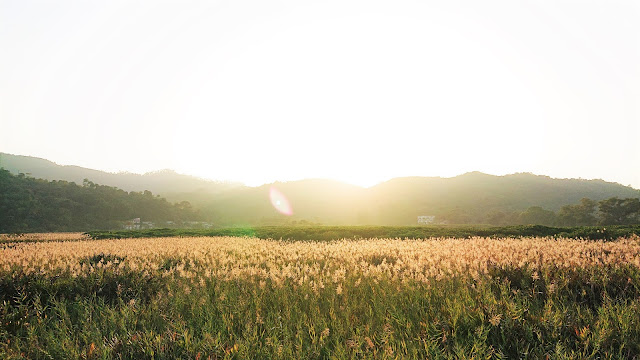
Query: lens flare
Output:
(280,202)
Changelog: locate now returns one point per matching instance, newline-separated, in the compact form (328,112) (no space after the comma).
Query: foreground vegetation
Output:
(326,233)
(249,298)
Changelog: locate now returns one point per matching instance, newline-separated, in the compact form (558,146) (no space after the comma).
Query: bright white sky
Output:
(358,91)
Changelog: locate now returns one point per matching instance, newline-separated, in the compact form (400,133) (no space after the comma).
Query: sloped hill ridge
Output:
(467,198)
(167,183)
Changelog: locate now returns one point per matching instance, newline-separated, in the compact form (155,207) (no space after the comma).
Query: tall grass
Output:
(247,298)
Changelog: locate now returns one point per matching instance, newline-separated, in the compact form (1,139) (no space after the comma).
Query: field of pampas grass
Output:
(65,296)
(43,237)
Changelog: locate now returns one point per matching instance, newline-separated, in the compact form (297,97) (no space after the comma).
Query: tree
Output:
(582,214)
(616,211)
(455,216)
(28,204)
(536,215)
(499,218)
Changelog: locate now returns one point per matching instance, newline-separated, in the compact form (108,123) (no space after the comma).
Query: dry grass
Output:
(43,237)
(318,263)
(230,297)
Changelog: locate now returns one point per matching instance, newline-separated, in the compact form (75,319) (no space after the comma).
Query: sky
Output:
(356,91)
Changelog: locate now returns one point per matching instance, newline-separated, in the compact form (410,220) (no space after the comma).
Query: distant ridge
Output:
(164,182)
(473,197)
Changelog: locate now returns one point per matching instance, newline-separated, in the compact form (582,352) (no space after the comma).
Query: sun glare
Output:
(280,202)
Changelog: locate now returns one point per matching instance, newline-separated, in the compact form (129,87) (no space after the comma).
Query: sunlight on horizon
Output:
(356,91)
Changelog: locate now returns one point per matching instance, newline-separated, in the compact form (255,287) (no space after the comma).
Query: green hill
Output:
(471,198)
(167,183)
(28,205)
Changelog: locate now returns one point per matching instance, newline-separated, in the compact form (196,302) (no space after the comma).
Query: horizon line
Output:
(241,183)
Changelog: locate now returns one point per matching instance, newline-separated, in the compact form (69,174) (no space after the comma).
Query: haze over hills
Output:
(469,198)
(168,183)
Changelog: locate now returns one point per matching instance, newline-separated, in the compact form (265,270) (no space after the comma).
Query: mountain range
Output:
(165,182)
(469,198)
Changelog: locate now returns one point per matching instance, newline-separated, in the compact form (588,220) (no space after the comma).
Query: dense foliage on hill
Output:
(167,183)
(28,204)
(471,198)
(476,198)
(612,211)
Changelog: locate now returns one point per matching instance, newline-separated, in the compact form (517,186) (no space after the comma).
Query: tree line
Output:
(29,204)
(612,211)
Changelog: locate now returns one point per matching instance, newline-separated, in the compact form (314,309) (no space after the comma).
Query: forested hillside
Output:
(166,183)
(477,198)
(471,198)
(28,204)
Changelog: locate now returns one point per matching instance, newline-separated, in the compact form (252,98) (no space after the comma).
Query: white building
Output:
(133,224)
(426,219)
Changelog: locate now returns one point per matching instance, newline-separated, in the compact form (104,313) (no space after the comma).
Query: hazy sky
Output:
(358,91)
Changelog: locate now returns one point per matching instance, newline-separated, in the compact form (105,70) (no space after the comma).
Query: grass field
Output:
(326,233)
(251,298)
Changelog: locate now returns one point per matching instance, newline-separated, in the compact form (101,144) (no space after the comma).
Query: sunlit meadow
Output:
(230,297)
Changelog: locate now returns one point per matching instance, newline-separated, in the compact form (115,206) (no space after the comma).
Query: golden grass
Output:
(317,263)
(43,237)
